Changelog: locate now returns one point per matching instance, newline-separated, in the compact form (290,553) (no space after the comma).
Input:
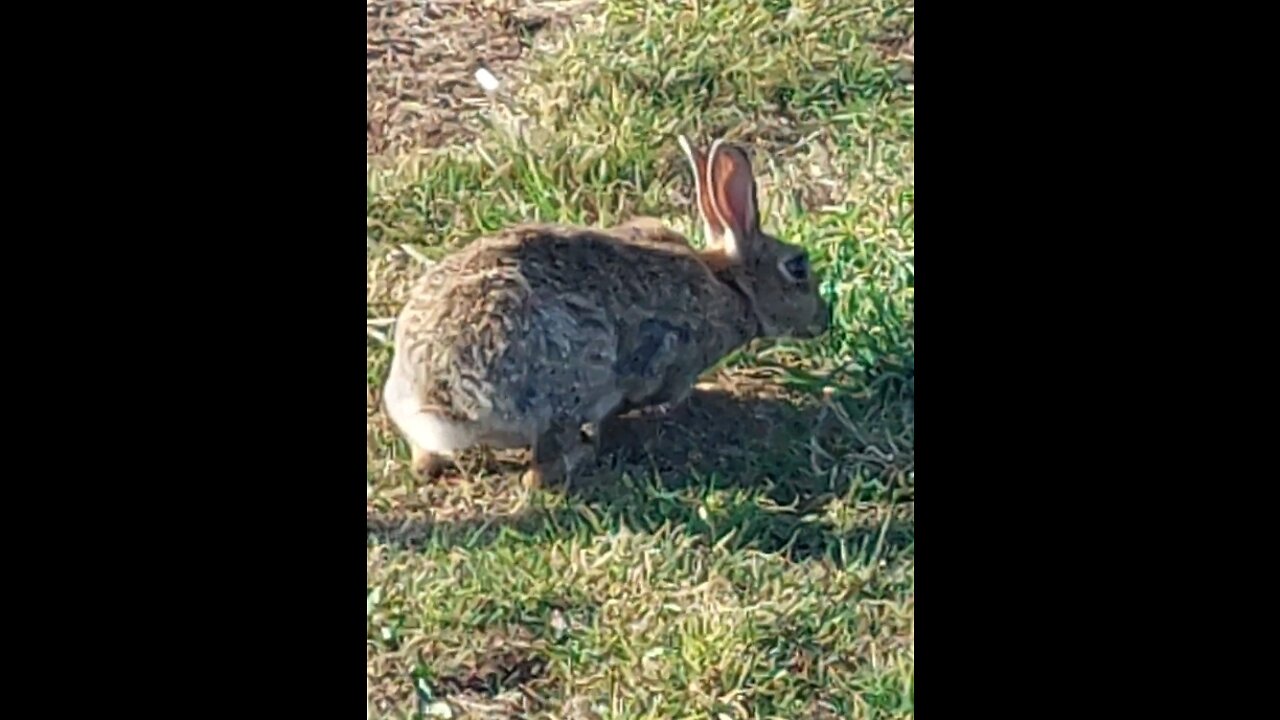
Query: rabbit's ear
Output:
(702,192)
(732,188)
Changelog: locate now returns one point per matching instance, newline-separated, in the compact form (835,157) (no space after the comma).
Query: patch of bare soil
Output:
(422,56)
(502,676)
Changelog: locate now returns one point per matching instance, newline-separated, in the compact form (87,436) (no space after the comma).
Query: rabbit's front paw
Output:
(667,407)
(659,410)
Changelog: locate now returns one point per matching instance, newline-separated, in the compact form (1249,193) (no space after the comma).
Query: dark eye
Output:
(798,267)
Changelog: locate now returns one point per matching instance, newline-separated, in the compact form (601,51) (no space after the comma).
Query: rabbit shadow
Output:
(784,471)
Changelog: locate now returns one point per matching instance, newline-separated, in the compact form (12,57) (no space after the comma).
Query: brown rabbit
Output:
(530,336)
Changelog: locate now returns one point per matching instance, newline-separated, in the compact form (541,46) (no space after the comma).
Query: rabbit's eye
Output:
(798,268)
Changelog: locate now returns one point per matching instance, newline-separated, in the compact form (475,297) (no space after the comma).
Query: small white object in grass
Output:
(486,80)
(438,709)
(558,624)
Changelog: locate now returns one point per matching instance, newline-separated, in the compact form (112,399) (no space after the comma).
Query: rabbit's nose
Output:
(828,316)
(821,325)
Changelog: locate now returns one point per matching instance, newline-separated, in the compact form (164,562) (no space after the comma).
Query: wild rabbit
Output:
(539,334)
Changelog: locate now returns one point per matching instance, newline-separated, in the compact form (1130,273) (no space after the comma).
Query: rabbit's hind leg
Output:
(433,439)
(432,435)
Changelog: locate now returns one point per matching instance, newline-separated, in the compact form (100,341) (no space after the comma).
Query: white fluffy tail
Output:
(424,427)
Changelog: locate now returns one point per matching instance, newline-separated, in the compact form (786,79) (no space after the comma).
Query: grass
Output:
(752,555)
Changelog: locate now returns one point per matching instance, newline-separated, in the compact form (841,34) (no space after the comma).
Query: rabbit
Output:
(538,335)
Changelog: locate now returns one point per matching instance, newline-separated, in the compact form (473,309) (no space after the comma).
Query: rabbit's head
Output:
(774,275)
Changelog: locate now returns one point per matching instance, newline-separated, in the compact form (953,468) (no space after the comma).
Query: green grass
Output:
(753,556)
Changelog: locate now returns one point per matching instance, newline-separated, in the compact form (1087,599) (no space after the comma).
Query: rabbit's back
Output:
(544,322)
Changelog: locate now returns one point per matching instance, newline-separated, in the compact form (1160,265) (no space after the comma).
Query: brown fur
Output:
(528,336)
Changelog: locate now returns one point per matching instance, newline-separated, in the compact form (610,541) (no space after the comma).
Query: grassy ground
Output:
(751,555)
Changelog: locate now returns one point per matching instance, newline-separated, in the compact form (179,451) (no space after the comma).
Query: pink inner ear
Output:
(734,190)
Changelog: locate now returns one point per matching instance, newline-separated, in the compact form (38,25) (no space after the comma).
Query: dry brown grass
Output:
(421,59)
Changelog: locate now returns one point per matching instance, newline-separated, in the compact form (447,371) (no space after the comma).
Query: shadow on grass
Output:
(751,466)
